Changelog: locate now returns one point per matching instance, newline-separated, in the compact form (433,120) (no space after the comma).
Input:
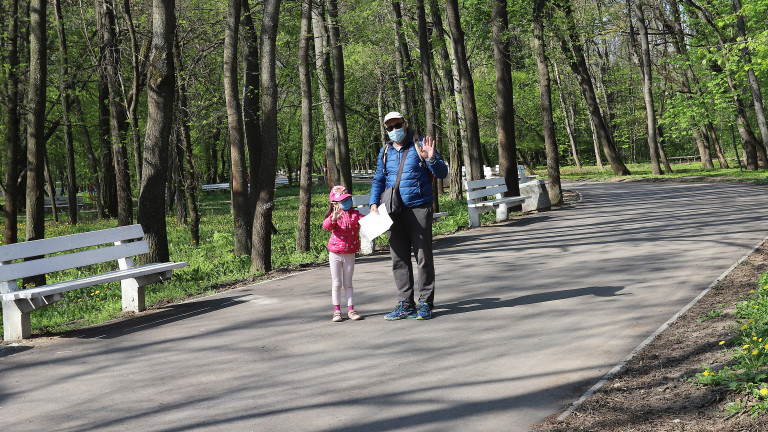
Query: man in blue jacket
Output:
(412,229)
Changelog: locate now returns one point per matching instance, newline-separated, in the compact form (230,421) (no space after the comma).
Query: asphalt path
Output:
(529,315)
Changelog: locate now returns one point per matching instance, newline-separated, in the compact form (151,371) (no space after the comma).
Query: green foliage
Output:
(747,371)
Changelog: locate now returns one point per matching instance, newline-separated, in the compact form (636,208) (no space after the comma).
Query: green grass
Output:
(211,264)
(747,372)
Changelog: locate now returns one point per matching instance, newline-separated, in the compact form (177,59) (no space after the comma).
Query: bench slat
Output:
(75,241)
(481,193)
(474,184)
(498,201)
(56,263)
(99,279)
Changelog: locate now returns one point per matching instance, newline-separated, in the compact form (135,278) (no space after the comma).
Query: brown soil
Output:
(652,392)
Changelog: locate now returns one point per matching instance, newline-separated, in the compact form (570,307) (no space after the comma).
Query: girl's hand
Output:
(336,211)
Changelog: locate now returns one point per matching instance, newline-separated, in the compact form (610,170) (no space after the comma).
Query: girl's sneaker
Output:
(336,316)
(353,315)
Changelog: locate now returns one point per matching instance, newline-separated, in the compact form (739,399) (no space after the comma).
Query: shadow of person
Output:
(473,305)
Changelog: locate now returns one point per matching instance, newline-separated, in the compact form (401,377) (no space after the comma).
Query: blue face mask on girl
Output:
(346,204)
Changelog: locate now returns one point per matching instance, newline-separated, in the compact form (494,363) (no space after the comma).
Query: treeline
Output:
(147,99)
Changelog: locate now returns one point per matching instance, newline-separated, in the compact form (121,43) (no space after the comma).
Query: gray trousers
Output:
(412,231)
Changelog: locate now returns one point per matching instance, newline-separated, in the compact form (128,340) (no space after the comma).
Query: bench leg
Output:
(474,217)
(133,296)
(502,213)
(16,324)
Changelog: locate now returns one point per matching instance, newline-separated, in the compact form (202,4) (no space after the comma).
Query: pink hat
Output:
(339,193)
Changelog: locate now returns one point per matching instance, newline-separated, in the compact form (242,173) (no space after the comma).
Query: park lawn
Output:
(211,265)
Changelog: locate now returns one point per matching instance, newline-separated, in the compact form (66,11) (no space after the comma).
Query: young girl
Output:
(344,223)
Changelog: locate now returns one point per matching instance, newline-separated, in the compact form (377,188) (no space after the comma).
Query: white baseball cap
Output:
(393,115)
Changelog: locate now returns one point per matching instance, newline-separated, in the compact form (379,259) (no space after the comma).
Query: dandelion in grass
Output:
(745,347)
(764,391)
(744,327)
(706,373)
(754,352)
(722,342)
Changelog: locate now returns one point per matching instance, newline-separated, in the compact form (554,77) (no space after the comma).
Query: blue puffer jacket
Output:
(415,183)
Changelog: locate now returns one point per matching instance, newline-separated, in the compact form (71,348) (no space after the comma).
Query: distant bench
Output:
(61,202)
(116,244)
(685,159)
(477,202)
(225,186)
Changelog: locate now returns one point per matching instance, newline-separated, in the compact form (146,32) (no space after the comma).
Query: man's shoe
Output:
(401,311)
(425,311)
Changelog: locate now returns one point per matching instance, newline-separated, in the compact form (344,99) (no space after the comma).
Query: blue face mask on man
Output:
(346,204)
(397,135)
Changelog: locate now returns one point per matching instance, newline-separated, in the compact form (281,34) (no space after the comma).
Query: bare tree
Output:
(325,89)
(505,107)
(342,139)
(161,86)
(545,95)
(12,129)
(240,205)
(190,184)
(251,107)
(307,142)
(36,102)
(472,156)
(261,256)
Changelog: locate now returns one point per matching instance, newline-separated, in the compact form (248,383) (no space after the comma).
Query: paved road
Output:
(530,314)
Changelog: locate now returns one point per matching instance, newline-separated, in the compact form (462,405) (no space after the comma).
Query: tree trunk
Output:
(108,183)
(251,106)
(342,140)
(110,52)
(92,162)
(12,129)
(452,121)
(307,142)
(475,166)
(236,134)
(189,162)
(505,107)
(132,99)
(426,81)
(545,97)
(567,119)
(325,88)
(754,84)
(160,91)
(36,102)
(574,52)
(65,87)
(644,63)
(261,256)
(405,71)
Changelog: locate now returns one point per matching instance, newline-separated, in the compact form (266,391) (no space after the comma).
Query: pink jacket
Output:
(345,232)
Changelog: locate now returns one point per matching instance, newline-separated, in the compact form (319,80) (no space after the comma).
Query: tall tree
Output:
(404,67)
(240,207)
(574,52)
(251,107)
(446,83)
(545,96)
(190,184)
(12,129)
(307,142)
(261,256)
(754,84)
(110,53)
(643,60)
(65,88)
(36,102)
(505,106)
(325,89)
(138,66)
(161,86)
(342,139)
(472,156)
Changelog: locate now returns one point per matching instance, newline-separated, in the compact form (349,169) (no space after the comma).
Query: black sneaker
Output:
(425,311)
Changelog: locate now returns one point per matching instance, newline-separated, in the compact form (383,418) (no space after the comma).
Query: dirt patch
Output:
(653,393)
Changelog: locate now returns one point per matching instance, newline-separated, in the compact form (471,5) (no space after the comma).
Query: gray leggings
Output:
(412,231)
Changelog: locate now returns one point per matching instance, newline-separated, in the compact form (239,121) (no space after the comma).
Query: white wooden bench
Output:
(215,187)
(523,177)
(116,244)
(479,190)
(62,202)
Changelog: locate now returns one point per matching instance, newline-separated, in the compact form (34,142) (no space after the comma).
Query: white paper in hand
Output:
(374,225)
